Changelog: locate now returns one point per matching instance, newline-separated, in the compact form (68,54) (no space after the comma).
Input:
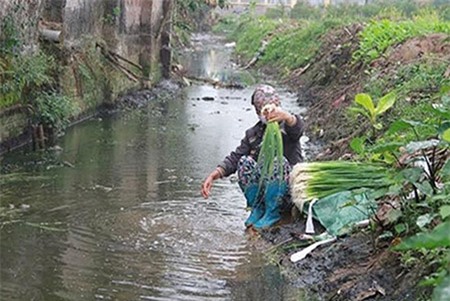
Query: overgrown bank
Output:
(376,79)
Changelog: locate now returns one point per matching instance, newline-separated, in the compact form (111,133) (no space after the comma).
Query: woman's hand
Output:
(278,114)
(206,187)
(207,184)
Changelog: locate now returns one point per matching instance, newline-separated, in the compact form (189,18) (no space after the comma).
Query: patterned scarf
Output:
(263,95)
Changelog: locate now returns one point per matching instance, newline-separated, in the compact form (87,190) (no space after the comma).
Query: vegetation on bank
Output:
(294,39)
(51,84)
(405,108)
(29,78)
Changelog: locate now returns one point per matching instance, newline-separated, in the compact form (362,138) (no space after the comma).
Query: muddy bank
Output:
(352,268)
(361,266)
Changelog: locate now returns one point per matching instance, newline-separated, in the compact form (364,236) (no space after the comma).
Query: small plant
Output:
(371,111)
(112,17)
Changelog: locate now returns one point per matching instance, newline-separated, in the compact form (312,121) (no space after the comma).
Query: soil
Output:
(328,87)
(356,267)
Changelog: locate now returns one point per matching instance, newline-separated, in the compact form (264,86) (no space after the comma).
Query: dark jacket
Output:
(251,144)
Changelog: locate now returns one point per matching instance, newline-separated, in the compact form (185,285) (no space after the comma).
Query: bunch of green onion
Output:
(317,180)
(271,153)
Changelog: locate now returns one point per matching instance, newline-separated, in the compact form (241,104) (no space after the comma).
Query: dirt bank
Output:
(360,266)
(333,78)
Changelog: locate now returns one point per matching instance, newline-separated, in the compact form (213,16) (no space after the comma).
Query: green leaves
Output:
(444,211)
(357,145)
(385,103)
(412,175)
(446,135)
(372,112)
(442,291)
(366,101)
(445,171)
(438,237)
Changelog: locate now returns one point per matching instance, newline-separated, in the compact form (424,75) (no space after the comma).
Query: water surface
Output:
(122,217)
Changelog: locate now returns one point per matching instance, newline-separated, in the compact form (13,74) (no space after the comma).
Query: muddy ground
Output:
(355,267)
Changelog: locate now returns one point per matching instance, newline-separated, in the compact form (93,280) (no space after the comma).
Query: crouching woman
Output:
(265,194)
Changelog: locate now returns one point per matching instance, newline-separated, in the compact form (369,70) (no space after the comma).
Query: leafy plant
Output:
(21,75)
(438,238)
(372,111)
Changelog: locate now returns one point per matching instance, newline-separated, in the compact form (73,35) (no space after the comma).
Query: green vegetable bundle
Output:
(320,179)
(271,152)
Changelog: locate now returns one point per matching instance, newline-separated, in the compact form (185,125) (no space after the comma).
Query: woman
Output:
(265,202)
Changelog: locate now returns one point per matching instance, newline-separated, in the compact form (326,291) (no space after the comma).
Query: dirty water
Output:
(115,212)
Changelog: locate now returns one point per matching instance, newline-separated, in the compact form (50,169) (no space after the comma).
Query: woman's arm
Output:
(230,163)
(227,167)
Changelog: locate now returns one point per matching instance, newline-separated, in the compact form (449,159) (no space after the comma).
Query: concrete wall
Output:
(130,27)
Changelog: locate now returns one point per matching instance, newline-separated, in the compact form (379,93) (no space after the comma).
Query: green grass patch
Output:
(294,48)
(250,33)
(291,44)
(379,35)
